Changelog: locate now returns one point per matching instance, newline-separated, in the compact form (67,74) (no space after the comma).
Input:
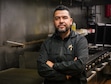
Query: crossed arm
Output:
(51,64)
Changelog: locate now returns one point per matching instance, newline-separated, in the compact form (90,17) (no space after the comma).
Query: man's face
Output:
(62,21)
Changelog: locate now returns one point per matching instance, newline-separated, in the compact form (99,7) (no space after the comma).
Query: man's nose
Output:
(61,20)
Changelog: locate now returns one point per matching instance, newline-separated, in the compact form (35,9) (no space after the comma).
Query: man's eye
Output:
(65,17)
(56,18)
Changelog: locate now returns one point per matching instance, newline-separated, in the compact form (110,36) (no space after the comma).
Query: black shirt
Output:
(62,54)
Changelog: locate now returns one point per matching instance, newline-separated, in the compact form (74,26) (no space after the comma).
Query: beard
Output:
(61,30)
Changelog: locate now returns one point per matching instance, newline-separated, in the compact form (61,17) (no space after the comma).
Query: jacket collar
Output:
(72,34)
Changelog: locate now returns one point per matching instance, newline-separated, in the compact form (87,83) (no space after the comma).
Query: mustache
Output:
(61,25)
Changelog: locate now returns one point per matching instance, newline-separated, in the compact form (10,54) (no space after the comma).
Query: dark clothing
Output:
(62,54)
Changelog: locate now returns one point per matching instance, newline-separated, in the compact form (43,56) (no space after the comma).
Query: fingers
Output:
(49,63)
(75,58)
(68,77)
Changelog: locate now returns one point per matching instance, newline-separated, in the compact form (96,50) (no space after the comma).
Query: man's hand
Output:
(68,76)
(49,63)
(75,58)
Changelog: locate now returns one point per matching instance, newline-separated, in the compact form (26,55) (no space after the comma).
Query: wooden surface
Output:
(108,82)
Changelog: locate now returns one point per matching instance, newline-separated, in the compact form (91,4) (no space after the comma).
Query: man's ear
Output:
(71,21)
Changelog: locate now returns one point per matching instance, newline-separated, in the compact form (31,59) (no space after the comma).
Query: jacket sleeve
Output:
(44,70)
(74,68)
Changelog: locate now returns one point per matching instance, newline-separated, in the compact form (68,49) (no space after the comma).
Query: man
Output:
(63,55)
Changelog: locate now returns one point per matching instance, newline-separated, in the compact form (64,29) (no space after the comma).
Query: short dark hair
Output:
(62,7)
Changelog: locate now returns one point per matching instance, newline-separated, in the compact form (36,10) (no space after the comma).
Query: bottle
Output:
(73,26)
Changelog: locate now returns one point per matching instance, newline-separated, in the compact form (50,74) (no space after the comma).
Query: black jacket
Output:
(62,54)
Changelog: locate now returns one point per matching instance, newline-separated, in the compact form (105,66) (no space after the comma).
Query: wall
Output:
(100,14)
(20,21)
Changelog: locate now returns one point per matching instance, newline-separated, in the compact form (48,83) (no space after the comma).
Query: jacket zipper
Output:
(61,49)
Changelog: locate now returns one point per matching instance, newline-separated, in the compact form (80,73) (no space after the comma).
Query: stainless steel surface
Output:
(97,63)
(91,76)
(23,21)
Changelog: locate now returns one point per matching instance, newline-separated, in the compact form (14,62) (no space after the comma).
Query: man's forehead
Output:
(62,12)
